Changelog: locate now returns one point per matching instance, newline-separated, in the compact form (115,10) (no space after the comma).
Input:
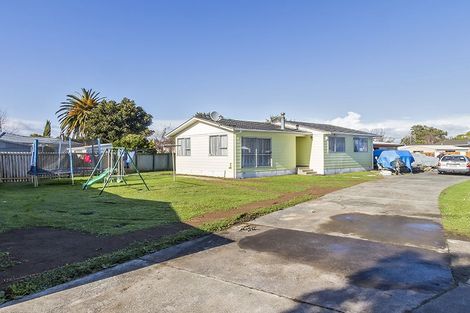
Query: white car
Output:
(457,164)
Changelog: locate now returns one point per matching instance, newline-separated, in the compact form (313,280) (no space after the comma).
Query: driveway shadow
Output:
(378,283)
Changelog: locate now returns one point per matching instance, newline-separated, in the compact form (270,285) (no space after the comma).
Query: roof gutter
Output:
(351,134)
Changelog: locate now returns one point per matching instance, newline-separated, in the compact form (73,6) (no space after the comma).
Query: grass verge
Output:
(454,203)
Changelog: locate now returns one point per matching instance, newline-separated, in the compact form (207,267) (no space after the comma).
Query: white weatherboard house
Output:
(231,148)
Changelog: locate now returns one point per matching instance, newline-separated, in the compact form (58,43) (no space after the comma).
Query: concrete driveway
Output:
(375,247)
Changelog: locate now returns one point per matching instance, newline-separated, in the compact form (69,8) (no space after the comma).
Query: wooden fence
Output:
(14,166)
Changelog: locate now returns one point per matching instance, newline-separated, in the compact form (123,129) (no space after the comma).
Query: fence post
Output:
(153,161)
(136,160)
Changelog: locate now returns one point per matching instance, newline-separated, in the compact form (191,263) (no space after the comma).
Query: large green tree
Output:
(134,142)
(111,120)
(465,136)
(73,113)
(47,129)
(422,134)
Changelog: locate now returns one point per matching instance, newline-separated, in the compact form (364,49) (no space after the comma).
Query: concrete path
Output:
(375,247)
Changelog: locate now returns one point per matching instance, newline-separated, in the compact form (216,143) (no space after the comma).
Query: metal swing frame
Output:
(121,152)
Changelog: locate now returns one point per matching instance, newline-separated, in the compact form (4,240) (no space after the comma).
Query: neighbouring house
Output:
(465,143)
(381,145)
(92,148)
(436,150)
(240,149)
(18,143)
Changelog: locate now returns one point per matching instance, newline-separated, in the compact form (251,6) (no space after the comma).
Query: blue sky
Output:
(388,63)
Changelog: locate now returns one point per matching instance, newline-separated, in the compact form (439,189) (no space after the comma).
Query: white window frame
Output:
(333,145)
(183,147)
(359,139)
(220,150)
(256,154)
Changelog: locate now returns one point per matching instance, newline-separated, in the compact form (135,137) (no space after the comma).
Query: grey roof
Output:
(456,142)
(330,128)
(27,140)
(249,125)
(267,126)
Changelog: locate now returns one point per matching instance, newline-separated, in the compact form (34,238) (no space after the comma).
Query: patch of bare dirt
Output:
(38,249)
(253,206)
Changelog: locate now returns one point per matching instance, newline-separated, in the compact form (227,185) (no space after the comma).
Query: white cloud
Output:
(27,127)
(398,128)
(159,125)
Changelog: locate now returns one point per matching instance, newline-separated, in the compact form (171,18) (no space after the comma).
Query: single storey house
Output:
(220,147)
(382,145)
(18,143)
(436,150)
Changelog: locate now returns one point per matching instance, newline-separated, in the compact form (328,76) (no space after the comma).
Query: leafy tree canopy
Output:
(422,134)
(74,112)
(273,118)
(465,136)
(134,142)
(111,120)
(206,115)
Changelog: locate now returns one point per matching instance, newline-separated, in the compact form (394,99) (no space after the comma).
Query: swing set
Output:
(116,161)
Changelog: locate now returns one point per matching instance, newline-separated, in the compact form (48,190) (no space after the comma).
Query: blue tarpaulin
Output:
(388,156)
(377,153)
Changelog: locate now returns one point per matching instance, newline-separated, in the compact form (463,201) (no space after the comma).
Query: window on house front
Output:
(336,144)
(256,152)
(218,145)
(184,147)
(361,144)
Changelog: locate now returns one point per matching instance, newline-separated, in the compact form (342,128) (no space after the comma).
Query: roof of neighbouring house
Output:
(435,147)
(27,140)
(387,144)
(455,142)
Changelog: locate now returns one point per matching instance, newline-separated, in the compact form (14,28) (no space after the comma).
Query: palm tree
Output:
(74,111)
(47,129)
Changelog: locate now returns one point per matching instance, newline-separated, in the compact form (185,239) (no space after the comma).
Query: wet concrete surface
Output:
(344,274)
(395,229)
(365,264)
(454,301)
(388,202)
(460,259)
(375,247)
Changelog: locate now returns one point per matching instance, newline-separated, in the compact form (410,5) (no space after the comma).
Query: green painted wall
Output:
(303,150)
(283,147)
(348,159)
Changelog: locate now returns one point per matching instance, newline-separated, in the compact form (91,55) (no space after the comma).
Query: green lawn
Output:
(455,208)
(121,208)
